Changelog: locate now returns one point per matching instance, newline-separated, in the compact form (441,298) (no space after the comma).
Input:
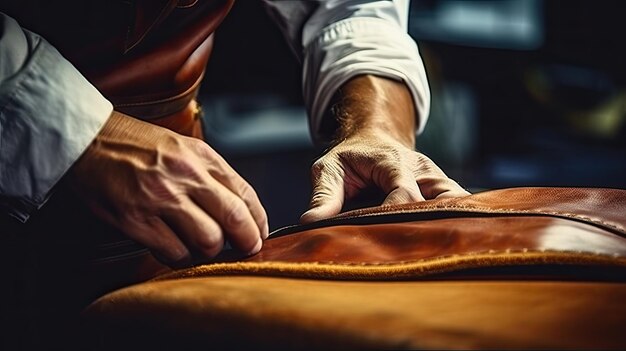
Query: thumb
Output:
(328,192)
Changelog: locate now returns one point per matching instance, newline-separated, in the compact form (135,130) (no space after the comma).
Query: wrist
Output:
(122,136)
(376,132)
(374,107)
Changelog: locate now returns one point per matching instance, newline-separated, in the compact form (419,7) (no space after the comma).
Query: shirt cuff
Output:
(49,114)
(357,46)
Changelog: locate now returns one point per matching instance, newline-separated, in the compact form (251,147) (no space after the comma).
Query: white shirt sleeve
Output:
(49,114)
(339,39)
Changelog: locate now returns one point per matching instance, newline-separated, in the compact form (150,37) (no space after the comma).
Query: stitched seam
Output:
(514,253)
(404,268)
(350,27)
(159,18)
(488,210)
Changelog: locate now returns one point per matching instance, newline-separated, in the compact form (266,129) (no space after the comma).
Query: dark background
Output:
(525,93)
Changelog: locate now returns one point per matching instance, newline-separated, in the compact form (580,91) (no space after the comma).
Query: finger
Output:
(237,185)
(434,183)
(450,189)
(401,188)
(231,213)
(157,236)
(219,169)
(328,192)
(196,228)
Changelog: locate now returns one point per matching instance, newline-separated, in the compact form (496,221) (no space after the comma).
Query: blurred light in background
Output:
(505,24)
(255,124)
(531,91)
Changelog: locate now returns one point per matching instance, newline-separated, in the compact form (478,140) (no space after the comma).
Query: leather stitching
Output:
(399,269)
(423,209)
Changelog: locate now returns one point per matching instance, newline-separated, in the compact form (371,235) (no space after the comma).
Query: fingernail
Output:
(305,216)
(257,247)
(309,216)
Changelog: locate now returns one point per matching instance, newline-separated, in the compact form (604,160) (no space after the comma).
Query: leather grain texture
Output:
(512,268)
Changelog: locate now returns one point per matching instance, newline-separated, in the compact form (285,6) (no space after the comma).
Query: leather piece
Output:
(401,242)
(598,206)
(166,102)
(165,67)
(500,228)
(265,312)
(512,268)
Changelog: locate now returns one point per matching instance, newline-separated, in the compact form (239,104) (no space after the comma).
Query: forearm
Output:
(369,105)
(338,41)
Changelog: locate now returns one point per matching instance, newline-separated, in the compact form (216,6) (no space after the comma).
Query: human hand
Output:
(171,193)
(362,161)
(376,132)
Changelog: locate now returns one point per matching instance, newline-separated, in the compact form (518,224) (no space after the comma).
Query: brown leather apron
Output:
(147,57)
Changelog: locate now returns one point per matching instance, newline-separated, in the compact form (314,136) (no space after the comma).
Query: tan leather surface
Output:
(262,312)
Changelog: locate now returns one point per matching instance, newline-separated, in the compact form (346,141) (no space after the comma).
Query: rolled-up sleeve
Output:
(49,114)
(339,39)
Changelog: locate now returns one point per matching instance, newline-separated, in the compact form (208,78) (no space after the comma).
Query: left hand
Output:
(380,160)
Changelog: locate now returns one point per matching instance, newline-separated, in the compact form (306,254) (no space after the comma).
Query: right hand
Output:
(171,193)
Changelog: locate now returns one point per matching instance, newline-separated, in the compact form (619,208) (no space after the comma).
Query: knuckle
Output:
(179,163)
(326,162)
(210,243)
(229,174)
(426,166)
(204,151)
(325,171)
(195,143)
(394,155)
(318,166)
(320,195)
(422,157)
(247,193)
(235,214)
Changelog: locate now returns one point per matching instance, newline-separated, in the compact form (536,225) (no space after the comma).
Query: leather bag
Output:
(511,268)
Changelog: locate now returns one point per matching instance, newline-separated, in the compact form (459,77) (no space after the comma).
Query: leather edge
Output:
(395,270)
